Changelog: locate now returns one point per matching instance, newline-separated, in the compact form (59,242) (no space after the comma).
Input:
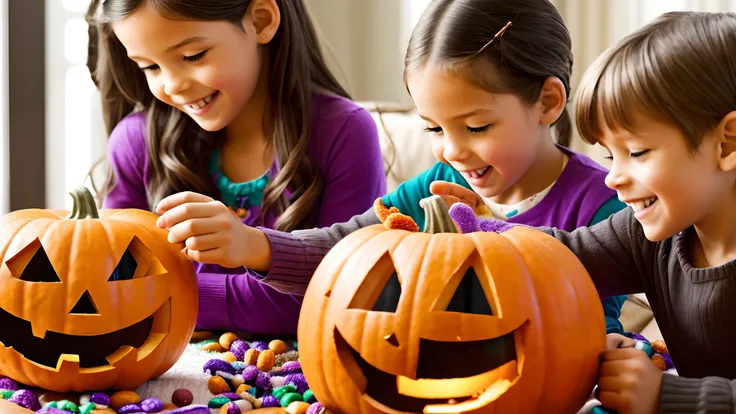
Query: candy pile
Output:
(121,402)
(243,377)
(256,375)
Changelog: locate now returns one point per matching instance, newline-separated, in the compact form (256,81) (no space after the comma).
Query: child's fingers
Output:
(183,212)
(444,188)
(180,198)
(204,241)
(620,354)
(615,340)
(192,228)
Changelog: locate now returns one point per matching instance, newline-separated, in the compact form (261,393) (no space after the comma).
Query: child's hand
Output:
(629,382)
(615,340)
(454,193)
(209,230)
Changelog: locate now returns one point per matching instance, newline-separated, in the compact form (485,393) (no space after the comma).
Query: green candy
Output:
(279,392)
(289,398)
(87,408)
(67,405)
(218,402)
(308,395)
(5,394)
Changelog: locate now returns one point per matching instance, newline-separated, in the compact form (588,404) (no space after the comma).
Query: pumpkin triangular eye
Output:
(388,300)
(469,296)
(125,268)
(38,268)
(381,288)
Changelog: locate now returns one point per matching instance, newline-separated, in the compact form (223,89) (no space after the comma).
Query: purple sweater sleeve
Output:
(346,149)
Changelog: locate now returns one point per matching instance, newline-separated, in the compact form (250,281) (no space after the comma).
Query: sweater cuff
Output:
(690,395)
(212,312)
(293,261)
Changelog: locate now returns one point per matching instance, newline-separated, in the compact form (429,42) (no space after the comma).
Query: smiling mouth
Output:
(443,373)
(477,173)
(89,351)
(202,103)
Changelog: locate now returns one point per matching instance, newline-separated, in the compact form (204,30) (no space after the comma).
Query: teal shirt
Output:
(406,198)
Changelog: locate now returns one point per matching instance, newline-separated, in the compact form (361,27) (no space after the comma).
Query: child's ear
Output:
(727,145)
(553,99)
(266,17)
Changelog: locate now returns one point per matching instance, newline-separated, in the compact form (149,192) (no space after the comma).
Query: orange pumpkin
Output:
(92,300)
(396,321)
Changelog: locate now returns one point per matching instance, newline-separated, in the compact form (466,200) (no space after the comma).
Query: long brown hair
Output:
(451,33)
(175,141)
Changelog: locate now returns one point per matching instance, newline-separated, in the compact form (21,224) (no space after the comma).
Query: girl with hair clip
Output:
(491,79)
(222,114)
(663,103)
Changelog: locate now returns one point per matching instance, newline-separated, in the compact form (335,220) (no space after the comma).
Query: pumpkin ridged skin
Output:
(84,253)
(536,279)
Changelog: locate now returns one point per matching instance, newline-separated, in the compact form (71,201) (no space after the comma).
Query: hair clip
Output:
(499,34)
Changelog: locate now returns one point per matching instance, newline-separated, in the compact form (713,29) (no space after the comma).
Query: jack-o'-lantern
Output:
(396,321)
(91,301)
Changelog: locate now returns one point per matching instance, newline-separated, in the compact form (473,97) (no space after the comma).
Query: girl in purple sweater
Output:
(228,105)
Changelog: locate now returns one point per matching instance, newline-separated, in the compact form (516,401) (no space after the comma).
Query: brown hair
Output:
(537,46)
(175,141)
(680,69)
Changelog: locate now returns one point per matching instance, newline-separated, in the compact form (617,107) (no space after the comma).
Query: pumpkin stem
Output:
(84,204)
(437,216)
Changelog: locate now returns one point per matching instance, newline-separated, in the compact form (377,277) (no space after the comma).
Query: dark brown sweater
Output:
(695,308)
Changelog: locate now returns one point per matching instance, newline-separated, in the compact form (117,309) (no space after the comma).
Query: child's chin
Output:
(210,125)
(656,233)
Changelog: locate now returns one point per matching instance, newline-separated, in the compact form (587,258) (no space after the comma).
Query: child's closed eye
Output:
(195,58)
(433,130)
(478,130)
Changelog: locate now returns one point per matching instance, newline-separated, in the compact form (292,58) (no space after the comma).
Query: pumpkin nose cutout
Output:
(84,305)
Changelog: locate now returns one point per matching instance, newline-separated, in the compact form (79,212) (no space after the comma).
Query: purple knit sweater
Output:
(345,148)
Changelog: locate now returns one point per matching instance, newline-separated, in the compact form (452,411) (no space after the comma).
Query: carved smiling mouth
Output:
(444,375)
(90,351)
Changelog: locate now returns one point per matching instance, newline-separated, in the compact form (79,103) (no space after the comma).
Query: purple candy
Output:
(269,400)
(315,408)
(260,346)
(250,372)
(263,381)
(100,399)
(25,399)
(238,348)
(277,373)
(130,409)
(232,408)
(635,336)
(152,405)
(214,365)
(50,410)
(292,367)
(191,409)
(230,396)
(298,381)
(8,384)
(667,361)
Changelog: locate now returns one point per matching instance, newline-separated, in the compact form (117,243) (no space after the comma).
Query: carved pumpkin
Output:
(91,301)
(398,321)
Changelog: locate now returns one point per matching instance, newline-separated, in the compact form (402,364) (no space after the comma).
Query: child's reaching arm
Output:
(614,252)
